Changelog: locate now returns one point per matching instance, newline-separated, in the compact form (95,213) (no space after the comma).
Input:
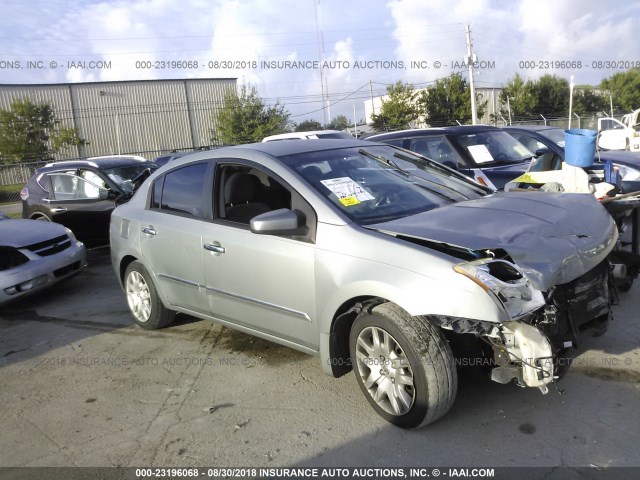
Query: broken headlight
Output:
(506,284)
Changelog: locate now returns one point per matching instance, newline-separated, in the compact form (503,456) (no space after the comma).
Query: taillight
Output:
(24,193)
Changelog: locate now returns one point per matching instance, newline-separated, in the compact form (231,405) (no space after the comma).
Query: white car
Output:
(311,135)
(35,255)
(620,135)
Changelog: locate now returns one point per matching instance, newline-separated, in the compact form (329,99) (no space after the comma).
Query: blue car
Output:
(487,154)
(541,139)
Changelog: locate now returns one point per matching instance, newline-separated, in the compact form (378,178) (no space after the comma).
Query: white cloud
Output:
(122,32)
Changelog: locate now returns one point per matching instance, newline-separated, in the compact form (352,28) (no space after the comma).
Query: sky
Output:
(358,47)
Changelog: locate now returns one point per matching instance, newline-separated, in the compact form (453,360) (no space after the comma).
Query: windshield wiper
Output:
(440,168)
(387,161)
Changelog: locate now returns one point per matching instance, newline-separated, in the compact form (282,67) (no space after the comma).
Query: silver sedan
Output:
(372,258)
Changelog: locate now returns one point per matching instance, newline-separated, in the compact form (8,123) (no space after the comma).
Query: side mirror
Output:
(279,222)
(103,193)
(542,151)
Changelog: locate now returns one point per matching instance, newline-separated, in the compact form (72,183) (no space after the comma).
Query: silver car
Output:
(35,255)
(371,258)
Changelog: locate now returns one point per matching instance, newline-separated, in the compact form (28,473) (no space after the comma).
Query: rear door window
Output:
(182,190)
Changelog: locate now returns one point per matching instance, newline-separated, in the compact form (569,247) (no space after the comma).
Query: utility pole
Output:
(570,102)
(373,107)
(471,59)
(323,79)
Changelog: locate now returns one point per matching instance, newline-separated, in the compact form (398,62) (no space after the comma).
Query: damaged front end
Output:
(534,347)
(544,261)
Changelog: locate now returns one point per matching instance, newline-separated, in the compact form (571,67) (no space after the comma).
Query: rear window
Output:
(182,190)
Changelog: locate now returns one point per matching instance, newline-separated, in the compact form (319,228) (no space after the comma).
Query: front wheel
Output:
(40,216)
(403,365)
(142,297)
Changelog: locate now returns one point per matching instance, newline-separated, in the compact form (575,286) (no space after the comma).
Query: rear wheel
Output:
(142,297)
(403,365)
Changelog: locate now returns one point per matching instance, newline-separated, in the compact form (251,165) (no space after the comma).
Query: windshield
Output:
(556,135)
(381,183)
(493,146)
(124,176)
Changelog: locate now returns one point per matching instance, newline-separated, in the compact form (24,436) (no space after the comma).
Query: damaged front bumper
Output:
(535,345)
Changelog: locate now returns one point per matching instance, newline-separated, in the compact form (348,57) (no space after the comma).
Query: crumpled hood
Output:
(20,233)
(553,237)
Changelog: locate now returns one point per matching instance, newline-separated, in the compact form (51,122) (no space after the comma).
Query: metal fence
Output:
(12,179)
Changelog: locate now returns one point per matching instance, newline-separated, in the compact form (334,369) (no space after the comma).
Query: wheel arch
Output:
(124,263)
(339,356)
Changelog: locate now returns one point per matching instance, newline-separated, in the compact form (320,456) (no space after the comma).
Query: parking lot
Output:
(83,386)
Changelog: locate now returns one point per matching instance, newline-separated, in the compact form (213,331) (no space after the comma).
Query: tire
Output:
(426,385)
(40,216)
(625,284)
(144,303)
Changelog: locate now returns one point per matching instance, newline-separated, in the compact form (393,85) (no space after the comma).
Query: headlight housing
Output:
(11,257)
(505,283)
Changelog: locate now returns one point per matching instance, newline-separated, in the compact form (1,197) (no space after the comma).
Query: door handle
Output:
(214,248)
(58,210)
(149,230)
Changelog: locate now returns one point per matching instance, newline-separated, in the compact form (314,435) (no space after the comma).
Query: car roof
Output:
(432,131)
(177,154)
(98,162)
(280,149)
(531,128)
(300,135)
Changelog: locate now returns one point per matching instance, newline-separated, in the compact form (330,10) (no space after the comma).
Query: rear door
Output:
(171,234)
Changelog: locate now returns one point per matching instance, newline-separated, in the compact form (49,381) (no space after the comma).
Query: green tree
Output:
(624,88)
(448,101)
(398,110)
(552,95)
(30,131)
(245,118)
(338,123)
(308,125)
(586,100)
(521,98)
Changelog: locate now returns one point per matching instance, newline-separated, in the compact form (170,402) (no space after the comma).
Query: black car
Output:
(164,159)
(82,194)
(542,138)
(482,152)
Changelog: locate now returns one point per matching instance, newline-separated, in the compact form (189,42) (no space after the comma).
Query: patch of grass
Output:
(10,193)
(16,187)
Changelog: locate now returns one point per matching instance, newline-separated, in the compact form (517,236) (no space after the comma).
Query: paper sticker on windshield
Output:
(348,192)
(480,153)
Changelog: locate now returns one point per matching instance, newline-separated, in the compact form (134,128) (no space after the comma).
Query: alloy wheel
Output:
(385,370)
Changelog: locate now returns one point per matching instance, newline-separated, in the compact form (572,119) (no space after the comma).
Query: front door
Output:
(262,282)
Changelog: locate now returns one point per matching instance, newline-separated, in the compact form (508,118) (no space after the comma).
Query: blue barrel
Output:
(580,147)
